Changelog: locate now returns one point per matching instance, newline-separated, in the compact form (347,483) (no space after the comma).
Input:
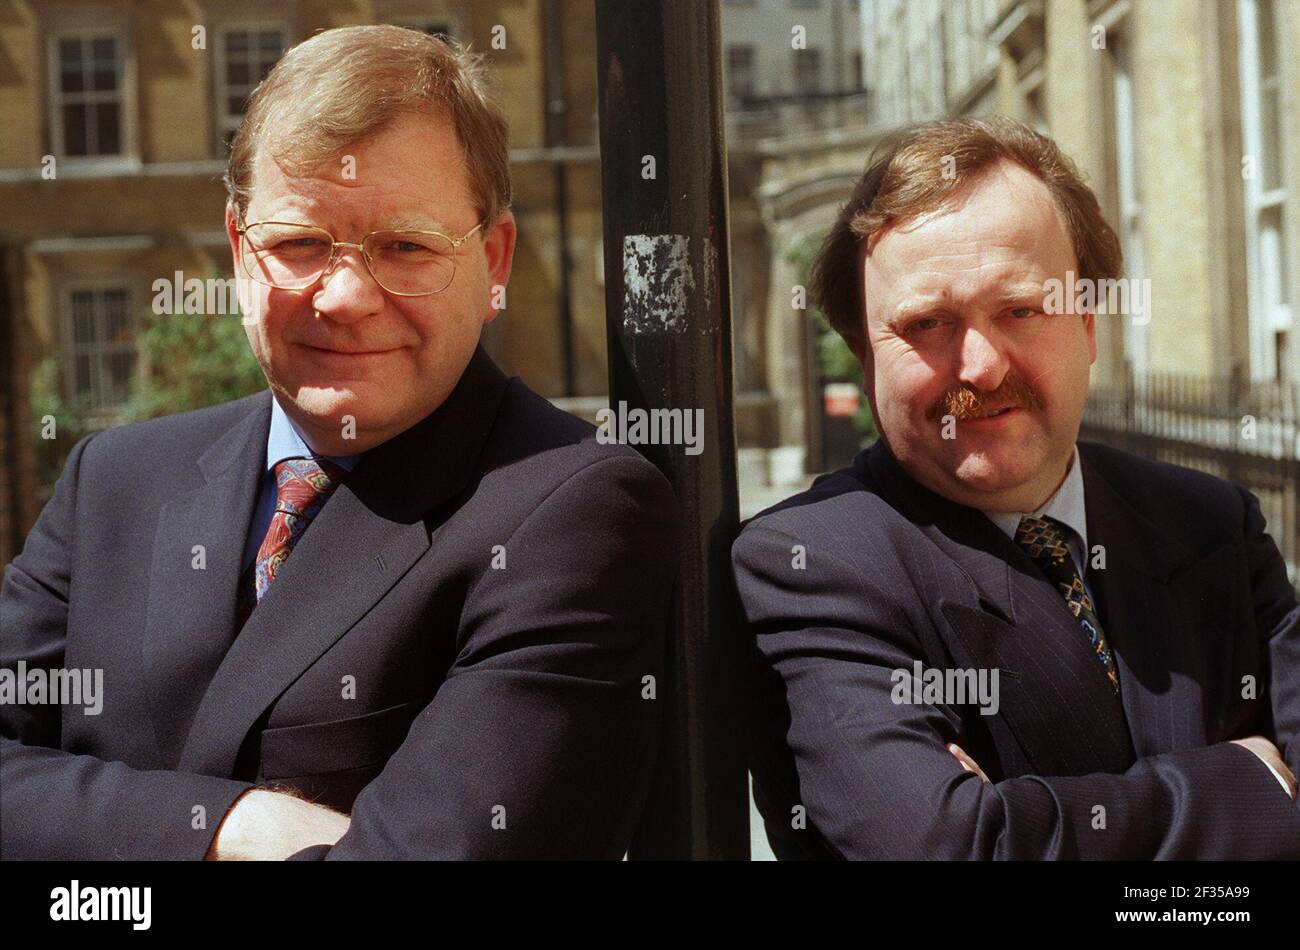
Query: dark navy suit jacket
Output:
(1193,598)
(454,653)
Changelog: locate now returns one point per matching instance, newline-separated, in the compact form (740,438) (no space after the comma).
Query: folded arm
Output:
(541,741)
(1277,618)
(55,804)
(878,781)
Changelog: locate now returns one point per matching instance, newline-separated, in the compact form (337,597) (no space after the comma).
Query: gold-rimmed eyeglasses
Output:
(291,256)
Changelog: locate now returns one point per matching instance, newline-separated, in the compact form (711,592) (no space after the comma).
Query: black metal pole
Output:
(668,300)
(556,138)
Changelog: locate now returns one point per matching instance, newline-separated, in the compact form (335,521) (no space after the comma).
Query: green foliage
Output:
(193,361)
(69,418)
(187,362)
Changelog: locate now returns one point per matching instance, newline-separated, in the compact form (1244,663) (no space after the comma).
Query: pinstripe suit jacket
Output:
(1193,598)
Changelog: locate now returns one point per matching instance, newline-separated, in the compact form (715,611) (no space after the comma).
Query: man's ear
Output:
(241,281)
(499,251)
(232,234)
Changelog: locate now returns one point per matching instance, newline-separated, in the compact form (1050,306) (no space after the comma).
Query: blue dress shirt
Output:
(282,442)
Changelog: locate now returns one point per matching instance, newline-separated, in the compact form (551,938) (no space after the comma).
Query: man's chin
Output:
(991,475)
(329,402)
(334,407)
(993,471)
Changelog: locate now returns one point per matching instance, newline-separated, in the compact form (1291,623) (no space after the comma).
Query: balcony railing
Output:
(754,118)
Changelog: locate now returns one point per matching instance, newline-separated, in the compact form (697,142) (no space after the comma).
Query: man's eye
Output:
(1023,313)
(924,325)
(407,247)
(298,243)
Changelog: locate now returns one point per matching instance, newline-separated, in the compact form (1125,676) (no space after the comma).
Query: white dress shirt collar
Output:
(1066,506)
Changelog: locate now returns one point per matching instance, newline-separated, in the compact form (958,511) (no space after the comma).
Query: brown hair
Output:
(924,167)
(346,84)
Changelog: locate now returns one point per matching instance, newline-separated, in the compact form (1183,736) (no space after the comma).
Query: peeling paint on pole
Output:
(658,283)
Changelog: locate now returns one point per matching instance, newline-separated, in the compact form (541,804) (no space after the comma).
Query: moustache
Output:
(966,403)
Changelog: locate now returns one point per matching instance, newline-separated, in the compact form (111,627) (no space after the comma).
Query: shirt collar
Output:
(1066,506)
(284,441)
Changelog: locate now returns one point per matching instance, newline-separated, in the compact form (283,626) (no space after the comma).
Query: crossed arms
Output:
(879,779)
(542,712)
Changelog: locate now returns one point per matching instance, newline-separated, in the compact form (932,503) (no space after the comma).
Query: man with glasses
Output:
(395,606)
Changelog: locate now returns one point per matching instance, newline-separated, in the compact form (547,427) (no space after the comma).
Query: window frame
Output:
(55,97)
(1125,147)
(1266,319)
(220,87)
(97,412)
(752,51)
(812,54)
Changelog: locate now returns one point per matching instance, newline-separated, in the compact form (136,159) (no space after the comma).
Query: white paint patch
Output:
(658,282)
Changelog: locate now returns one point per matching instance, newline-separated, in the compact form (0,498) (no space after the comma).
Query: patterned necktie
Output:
(1043,539)
(302,486)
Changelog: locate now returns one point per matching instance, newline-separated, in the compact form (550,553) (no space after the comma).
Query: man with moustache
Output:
(395,606)
(1139,617)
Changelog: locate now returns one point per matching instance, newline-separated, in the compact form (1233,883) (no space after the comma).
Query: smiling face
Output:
(960,345)
(344,346)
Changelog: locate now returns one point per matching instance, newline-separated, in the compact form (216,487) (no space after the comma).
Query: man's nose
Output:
(983,362)
(348,291)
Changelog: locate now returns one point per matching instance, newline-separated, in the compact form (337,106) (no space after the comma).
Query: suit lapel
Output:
(1054,695)
(373,529)
(1143,617)
(190,618)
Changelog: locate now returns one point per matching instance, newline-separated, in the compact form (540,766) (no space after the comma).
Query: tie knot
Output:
(302,486)
(1044,540)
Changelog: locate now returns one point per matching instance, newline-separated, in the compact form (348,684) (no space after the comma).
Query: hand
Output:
(969,764)
(1268,754)
(270,826)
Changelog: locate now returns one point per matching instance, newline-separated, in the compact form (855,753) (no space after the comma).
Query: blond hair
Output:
(922,169)
(346,84)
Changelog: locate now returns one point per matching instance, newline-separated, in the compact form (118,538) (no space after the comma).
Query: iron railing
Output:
(1247,432)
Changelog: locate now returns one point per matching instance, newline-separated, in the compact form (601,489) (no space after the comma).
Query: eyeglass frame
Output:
(335,245)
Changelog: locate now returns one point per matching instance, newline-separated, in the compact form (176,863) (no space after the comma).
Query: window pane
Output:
(70,53)
(116,371)
(1273,257)
(237,42)
(71,81)
(237,72)
(107,131)
(1271,146)
(808,71)
(81,375)
(116,329)
(270,42)
(74,130)
(104,49)
(104,77)
(83,317)
(1267,37)
(70,66)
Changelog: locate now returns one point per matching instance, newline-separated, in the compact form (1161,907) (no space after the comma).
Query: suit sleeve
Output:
(877,781)
(542,740)
(56,805)
(1277,618)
